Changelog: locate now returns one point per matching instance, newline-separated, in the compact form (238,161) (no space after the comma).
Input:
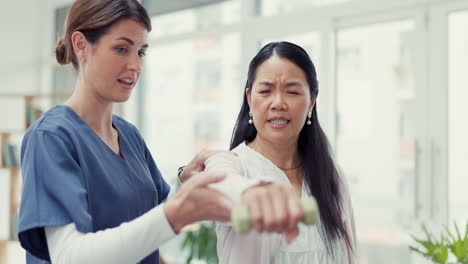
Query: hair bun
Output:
(61,52)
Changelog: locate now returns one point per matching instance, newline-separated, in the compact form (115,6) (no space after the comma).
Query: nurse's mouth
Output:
(126,83)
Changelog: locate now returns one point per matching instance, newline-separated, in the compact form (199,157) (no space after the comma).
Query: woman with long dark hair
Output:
(278,136)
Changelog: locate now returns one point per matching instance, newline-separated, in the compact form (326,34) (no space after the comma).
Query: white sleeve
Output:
(128,243)
(236,181)
(174,190)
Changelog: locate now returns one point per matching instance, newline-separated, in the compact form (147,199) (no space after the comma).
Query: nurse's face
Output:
(279,101)
(113,65)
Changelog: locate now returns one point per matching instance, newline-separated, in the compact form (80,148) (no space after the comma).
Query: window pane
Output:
(195,19)
(274,7)
(193,95)
(308,41)
(376,134)
(458,112)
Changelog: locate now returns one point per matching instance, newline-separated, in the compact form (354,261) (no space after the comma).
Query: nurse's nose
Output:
(135,63)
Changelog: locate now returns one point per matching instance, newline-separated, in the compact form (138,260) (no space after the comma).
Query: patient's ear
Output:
(247,93)
(312,104)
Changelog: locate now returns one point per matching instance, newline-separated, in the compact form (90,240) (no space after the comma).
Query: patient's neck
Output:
(284,155)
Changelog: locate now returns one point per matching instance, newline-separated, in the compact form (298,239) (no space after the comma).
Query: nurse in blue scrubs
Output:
(92,191)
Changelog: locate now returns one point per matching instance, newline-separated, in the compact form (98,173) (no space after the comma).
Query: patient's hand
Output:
(274,208)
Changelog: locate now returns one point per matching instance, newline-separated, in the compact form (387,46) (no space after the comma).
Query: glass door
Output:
(377,133)
(457,117)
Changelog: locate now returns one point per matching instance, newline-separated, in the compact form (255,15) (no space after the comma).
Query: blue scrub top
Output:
(71,175)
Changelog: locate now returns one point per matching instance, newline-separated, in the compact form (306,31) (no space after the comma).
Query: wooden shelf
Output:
(5,135)
(47,95)
(10,168)
(9,241)
(5,250)
(9,134)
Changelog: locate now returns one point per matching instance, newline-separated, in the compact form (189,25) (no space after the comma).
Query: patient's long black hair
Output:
(320,174)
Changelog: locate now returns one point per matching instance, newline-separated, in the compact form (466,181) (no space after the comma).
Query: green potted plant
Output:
(201,243)
(444,249)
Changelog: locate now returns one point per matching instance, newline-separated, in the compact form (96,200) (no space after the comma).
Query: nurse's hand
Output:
(274,208)
(195,202)
(197,164)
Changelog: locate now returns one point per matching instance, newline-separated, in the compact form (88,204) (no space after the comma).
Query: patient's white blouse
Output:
(251,167)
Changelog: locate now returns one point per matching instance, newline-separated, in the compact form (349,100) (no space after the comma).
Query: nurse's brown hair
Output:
(94,18)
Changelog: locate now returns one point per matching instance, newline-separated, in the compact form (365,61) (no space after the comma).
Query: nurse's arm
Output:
(128,243)
(174,189)
(133,241)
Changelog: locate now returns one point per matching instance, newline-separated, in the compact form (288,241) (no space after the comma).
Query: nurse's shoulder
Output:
(60,121)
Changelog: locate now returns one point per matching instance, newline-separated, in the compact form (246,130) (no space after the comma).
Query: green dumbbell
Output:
(242,220)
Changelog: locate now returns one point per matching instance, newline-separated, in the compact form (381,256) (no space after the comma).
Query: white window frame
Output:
(439,87)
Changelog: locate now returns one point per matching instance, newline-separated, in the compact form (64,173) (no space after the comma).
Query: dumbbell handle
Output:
(242,220)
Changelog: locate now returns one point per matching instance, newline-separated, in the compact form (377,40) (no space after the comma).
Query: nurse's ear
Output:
(80,46)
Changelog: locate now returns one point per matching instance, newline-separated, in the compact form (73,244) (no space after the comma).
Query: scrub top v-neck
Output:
(71,175)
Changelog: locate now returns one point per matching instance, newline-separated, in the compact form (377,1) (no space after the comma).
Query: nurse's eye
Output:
(292,92)
(265,91)
(141,53)
(121,50)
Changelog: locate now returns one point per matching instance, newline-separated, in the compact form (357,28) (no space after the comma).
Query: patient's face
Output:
(279,101)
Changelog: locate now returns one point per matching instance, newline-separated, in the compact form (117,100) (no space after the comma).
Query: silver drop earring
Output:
(309,115)
(250,119)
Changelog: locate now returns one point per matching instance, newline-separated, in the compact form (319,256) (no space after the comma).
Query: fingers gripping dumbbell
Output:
(242,220)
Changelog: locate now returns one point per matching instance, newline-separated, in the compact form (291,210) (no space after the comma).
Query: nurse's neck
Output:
(94,110)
